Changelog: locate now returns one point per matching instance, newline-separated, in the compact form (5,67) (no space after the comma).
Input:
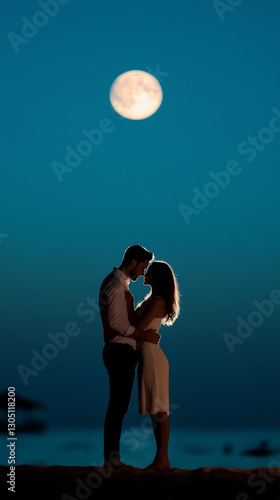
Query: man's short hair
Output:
(137,252)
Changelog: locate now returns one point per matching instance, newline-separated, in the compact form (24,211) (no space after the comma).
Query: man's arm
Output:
(117,310)
(150,335)
(118,317)
(130,307)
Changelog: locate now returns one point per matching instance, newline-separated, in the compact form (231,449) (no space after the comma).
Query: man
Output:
(120,336)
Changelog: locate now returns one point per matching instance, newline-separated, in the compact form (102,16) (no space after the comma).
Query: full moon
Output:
(136,95)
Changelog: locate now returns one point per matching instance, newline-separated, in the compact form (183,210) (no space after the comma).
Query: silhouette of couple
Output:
(131,336)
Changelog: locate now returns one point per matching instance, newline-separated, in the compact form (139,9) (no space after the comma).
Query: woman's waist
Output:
(147,346)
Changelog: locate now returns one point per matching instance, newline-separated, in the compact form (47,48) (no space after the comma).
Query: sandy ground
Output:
(69,483)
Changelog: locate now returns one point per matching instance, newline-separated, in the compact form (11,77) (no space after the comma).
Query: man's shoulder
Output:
(111,283)
(106,281)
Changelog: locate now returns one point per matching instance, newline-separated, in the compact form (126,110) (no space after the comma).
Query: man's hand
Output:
(151,336)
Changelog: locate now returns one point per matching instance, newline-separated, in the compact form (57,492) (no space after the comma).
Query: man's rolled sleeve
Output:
(117,311)
(129,331)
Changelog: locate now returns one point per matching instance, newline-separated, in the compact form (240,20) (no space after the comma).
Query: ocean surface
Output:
(188,449)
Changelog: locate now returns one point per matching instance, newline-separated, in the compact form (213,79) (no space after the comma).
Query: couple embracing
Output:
(131,336)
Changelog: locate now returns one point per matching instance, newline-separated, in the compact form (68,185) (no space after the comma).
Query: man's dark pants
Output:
(120,361)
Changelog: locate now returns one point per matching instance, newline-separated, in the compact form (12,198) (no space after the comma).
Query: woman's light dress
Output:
(153,376)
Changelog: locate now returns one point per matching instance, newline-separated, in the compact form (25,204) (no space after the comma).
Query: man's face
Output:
(138,270)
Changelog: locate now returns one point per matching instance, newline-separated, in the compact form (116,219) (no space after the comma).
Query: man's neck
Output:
(124,271)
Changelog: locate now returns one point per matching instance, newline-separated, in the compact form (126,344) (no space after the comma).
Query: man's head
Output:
(135,261)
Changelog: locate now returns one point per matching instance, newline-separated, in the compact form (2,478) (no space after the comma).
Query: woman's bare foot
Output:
(158,465)
(117,464)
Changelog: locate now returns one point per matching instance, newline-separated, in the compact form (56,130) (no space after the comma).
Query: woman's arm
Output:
(155,309)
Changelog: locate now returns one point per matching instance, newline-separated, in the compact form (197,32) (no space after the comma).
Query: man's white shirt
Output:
(114,292)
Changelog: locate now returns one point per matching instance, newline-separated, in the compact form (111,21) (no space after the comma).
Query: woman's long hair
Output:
(166,286)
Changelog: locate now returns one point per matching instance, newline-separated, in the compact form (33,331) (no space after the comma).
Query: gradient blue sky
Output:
(220,81)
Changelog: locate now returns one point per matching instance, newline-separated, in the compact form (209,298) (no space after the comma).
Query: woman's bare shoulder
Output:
(159,300)
(160,303)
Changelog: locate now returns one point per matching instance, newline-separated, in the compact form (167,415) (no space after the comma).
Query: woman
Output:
(160,306)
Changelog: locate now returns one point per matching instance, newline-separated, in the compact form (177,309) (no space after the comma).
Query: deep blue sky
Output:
(220,81)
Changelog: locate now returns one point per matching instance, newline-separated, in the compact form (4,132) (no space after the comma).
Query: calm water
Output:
(189,449)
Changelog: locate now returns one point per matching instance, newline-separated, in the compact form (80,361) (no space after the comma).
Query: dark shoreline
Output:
(35,482)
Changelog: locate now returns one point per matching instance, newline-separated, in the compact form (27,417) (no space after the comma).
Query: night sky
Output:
(197,183)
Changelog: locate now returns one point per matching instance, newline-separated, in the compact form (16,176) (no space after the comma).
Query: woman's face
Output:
(148,278)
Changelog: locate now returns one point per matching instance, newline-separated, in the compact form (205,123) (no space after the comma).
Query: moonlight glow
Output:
(136,95)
